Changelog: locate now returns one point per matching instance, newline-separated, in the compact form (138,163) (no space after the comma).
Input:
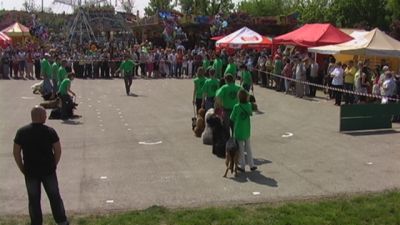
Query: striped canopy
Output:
(16,30)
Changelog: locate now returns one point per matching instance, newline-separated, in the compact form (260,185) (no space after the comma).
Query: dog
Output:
(207,135)
(200,124)
(220,135)
(51,104)
(37,88)
(231,157)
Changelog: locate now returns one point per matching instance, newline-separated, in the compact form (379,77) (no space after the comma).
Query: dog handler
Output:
(127,67)
(209,90)
(241,122)
(198,88)
(66,99)
(227,98)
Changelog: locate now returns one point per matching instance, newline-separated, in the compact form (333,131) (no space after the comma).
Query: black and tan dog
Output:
(231,157)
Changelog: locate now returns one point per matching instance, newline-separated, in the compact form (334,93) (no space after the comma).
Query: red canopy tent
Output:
(5,40)
(217,38)
(312,35)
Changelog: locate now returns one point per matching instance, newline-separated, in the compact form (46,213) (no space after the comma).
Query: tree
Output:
(29,6)
(206,7)
(393,6)
(158,5)
(128,5)
(263,7)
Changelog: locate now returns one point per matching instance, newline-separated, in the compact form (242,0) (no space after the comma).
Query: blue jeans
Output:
(50,185)
(209,103)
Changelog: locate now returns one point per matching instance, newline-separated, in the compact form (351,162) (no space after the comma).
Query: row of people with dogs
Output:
(56,88)
(223,116)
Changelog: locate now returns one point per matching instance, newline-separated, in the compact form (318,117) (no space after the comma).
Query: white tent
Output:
(372,43)
(243,38)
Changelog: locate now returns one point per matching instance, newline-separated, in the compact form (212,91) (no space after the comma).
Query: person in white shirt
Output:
(337,82)
(388,88)
(314,68)
(300,75)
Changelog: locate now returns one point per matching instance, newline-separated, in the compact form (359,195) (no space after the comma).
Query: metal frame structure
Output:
(80,27)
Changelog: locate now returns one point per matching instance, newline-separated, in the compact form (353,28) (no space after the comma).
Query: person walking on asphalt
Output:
(41,152)
(127,67)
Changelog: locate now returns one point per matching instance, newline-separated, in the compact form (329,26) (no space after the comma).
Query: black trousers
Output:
(105,70)
(128,83)
(37,69)
(50,184)
(313,89)
(348,98)
(66,106)
(337,94)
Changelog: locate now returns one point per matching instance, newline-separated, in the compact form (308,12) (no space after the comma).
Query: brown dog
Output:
(200,123)
(231,156)
(231,162)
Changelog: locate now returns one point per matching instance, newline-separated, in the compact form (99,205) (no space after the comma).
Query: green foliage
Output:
(206,7)
(381,208)
(393,6)
(264,7)
(158,5)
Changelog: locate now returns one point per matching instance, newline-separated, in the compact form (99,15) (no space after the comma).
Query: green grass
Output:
(379,209)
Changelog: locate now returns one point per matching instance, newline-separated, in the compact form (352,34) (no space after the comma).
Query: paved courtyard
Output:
(134,152)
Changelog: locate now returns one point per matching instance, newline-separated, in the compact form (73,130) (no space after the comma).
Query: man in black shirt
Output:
(41,152)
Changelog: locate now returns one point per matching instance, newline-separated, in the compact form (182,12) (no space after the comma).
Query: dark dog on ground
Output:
(220,136)
(51,104)
(200,124)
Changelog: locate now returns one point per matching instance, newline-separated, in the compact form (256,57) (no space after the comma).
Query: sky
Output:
(59,8)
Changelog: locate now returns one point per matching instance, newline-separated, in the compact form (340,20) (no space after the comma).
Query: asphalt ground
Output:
(132,152)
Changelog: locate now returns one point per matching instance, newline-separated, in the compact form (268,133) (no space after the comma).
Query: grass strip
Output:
(379,209)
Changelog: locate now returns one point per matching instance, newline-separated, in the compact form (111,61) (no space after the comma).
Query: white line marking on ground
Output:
(149,143)
(256,193)
(27,98)
(287,134)
(103,177)
(110,201)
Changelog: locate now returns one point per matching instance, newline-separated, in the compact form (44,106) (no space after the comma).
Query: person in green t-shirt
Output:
(62,72)
(209,90)
(45,72)
(278,67)
(227,98)
(198,88)
(242,128)
(218,66)
(231,68)
(67,104)
(246,80)
(54,72)
(126,67)
(206,62)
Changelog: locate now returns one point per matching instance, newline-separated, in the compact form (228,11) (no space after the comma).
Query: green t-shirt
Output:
(198,85)
(246,76)
(218,68)
(241,121)
(231,69)
(206,63)
(127,66)
(45,68)
(64,86)
(210,87)
(228,95)
(278,67)
(61,75)
(54,71)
